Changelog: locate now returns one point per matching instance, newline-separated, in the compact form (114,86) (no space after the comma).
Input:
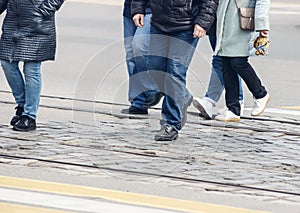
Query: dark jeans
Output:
(216,82)
(232,67)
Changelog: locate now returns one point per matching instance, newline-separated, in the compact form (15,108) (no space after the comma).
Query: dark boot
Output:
(25,124)
(134,111)
(153,99)
(166,133)
(16,118)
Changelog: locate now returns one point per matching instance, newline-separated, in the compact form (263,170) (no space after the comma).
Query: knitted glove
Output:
(261,44)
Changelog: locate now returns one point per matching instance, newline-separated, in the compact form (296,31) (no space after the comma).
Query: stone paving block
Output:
(206,150)
(5,161)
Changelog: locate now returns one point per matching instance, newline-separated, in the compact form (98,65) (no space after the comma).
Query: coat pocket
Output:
(42,24)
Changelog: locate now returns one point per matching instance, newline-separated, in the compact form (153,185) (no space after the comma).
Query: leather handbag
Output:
(246,15)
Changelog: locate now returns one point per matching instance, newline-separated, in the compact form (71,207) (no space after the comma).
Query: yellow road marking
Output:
(118,196)
(13,208)
(290,107)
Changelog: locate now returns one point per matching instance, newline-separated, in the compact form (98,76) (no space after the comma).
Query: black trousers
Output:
(232,67)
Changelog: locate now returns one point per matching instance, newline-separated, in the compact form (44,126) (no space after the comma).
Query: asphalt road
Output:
(90,56)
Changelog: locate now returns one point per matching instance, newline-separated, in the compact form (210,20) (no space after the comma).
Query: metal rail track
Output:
(178,178)
(172,177)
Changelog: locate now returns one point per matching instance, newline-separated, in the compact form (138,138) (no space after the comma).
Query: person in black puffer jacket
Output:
(28,35)
(178,15)
(176,26)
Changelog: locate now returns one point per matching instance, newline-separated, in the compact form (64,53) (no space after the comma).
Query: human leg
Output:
(140,43)
(157,66)
(158,55)
(215,87)
(232,113)
(15,80)
(216,82)
(177,97)
(135,96)
(33,83)
(16,83)
(245,70)
(231,84)
(32,90)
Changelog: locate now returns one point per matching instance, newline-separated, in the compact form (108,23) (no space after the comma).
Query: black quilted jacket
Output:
(178,15)
(28,30)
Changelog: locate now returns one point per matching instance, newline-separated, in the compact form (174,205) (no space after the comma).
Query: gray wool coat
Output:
(28,30)
(231,40)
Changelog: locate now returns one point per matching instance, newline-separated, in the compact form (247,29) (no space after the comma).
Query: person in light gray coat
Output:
(235,45)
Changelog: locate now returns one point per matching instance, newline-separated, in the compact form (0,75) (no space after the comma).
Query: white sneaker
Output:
(260,105)
(242,104)
(204,106)
(228,116)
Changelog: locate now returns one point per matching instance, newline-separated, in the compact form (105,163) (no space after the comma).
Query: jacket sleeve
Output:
(207,13)
(49,7)
(138,6)
(3,5)
(261,16)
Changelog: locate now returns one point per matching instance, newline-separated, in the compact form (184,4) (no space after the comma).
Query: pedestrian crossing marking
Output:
(16,208)
(119,196)
(290,107)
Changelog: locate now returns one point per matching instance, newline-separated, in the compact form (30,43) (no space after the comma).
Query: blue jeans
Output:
(216,81)
(169,57)
(27,90)
(136,42)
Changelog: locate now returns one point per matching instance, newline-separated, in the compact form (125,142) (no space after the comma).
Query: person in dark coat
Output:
(176,26)
(28,36)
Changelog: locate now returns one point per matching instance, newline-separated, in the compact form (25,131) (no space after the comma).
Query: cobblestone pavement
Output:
(254,157)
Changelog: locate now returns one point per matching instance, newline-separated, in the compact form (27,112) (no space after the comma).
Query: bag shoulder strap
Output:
(236,4)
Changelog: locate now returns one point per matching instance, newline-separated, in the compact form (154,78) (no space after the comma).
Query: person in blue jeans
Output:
(215,87)
(136,43)
(176,26)
(28,36)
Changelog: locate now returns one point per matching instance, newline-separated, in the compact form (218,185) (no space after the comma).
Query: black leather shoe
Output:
(134,111)
(166,133)
(16,118)
(184,111)
(25,124)
(153,99)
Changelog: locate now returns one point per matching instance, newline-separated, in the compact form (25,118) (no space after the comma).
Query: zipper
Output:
(17,14)
(17,31)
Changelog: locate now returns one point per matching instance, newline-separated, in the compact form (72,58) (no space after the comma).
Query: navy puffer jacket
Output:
(28,30)
(178,15)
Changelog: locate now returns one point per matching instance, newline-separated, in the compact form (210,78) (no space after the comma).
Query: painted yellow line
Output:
(290,107)
(13,208)
(118,196)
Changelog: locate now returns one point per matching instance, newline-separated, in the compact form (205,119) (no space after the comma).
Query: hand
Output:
(264,33)
(199,32)
(138,20)
(261,44)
